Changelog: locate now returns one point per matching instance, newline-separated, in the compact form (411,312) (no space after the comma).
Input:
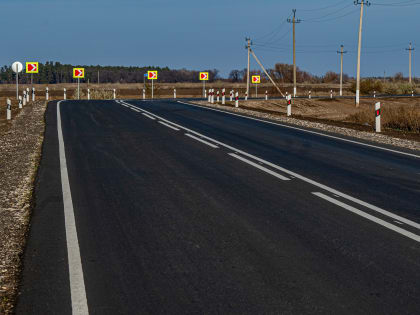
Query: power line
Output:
(324,8)
(329,14)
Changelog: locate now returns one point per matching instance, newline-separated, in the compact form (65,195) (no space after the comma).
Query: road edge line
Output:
(77,283)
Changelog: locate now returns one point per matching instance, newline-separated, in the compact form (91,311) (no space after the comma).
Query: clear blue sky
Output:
(197,34)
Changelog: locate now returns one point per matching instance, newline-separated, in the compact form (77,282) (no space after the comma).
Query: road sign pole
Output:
(17,85)
(256,90)
(204,88)
(78,88)
(152,90)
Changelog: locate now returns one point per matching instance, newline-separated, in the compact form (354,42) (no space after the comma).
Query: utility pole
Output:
(359,49)
(410,49)
(98,76)
(294,21)
(341,52)
(248,47)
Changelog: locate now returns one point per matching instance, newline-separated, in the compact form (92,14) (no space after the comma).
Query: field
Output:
(401,116)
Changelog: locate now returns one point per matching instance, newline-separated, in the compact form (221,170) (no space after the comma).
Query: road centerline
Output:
(262,168)
(296,175)
(167,125)
(148,116)
(369,217)
(304,130)
(202,141)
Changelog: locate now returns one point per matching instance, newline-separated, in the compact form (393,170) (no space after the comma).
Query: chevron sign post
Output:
(256,79)
(32,67)
(152,75)
(204,76)
(78,73)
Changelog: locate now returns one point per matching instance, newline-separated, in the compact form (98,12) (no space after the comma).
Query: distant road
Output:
(161,207)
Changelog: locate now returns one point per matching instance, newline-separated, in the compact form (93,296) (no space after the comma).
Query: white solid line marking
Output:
(304,130)
(148,116)
(202,141)
(303,178)
(77,284)
(135,109)
(259,167)
(369,217)
(167,125)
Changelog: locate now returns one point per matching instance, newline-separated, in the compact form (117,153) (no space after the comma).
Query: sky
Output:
(197,34)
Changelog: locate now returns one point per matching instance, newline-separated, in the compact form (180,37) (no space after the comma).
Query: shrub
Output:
(368,86)
(398,88)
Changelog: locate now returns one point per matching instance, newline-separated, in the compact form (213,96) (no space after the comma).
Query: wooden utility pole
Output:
(359,49)
(294,21)
(410,49)
(248,46)
(341,52)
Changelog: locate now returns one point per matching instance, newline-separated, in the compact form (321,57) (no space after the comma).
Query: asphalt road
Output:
(159,207)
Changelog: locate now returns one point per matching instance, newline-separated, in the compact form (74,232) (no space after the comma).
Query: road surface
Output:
(160,207)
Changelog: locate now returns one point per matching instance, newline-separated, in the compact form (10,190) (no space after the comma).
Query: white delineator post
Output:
(24,98)
(237,99)
(65,94)
(212,96)
(374,94)
(47,96)
(289,105)
(174,93)
(33,94)
(223,96)
(209,96)
(20,101)
(231,96)
(266,95)
(378,116)
(412,93)
(27,95)
(88,94)
(218,97)
(287,95)
(144,94)
(9,110)
(115,94)
(310,94)
(246,96)
(331,94)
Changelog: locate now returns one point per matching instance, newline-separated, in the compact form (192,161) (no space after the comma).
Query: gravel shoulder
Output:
(20,151)
(323,120)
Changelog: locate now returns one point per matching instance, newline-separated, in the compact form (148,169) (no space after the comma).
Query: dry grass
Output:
(99,94)
(401,117)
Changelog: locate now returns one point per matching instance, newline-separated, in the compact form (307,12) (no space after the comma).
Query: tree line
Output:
(55,72)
